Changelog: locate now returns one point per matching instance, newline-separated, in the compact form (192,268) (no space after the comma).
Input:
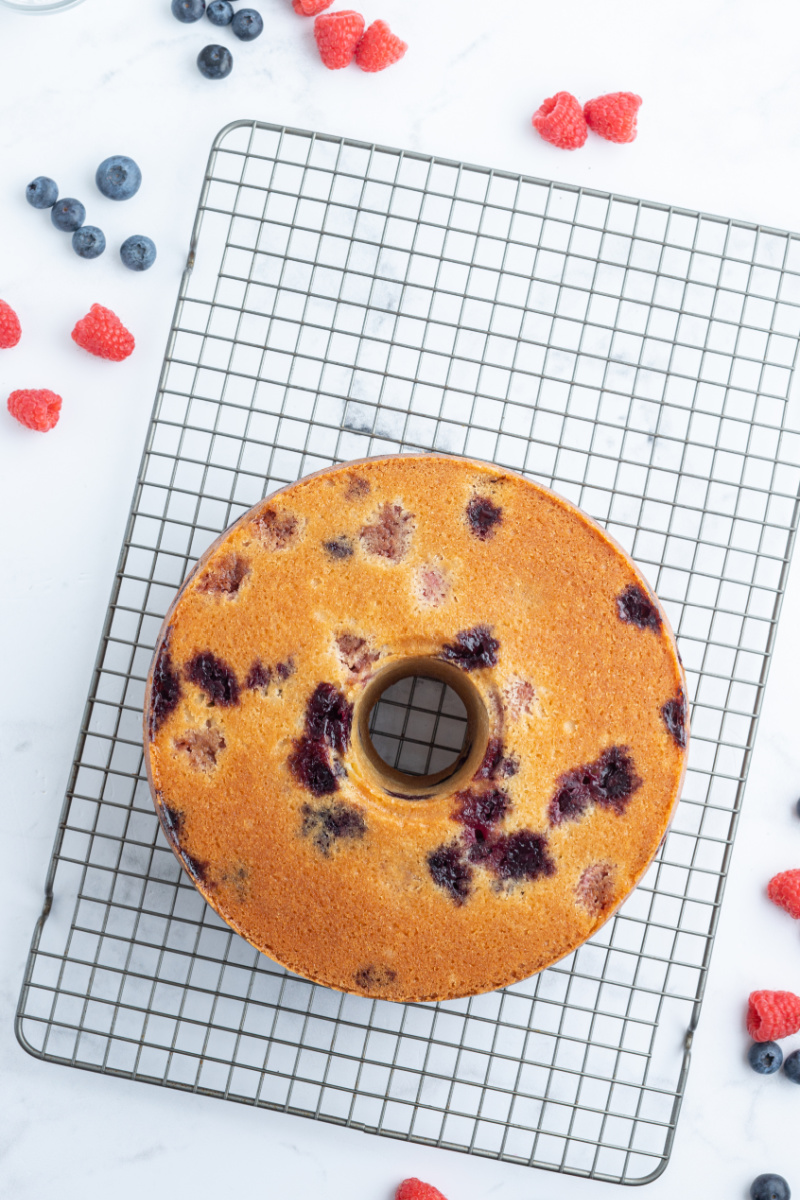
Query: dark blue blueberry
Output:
(197,868)
(247,24)
(792,1065)
(770,1187)
(483,516)
(473,648)
(495,765)
(215,62)
(330,822)
(138,252)
(118,177)
(310,766)
(88,241)
(215,678)
(220,12)
(68,215)
(615,778)
(173,821)
(522,855)
(765,1057)
(329,717)
(258,677)
(449,870)
(635,607)
(165,691)
(42,192)
(574,793)
(188,10)
(673,714)
(339,548)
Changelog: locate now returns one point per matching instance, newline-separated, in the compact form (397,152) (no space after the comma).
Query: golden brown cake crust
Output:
(268,790)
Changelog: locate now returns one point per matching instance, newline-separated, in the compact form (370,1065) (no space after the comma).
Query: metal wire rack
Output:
(342,300)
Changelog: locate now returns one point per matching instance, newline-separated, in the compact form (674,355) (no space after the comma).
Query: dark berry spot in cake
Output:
(329,717)
(479,811)
(173,821)
(673,714)
(215,678)
(522,855)
(357,487)
(340,547)
(389,535)
(355,653)
(165,691)
(595,888)
(574,793)
(374,978)
(450,871)
(197,868)
(332,822)
(483,517)
(310,766)
(201,746)
(616,779)
(276,530)
(496,764)
(258,677)
(473,649)
(636,608)
(285,669)
(432,586)
(225,576)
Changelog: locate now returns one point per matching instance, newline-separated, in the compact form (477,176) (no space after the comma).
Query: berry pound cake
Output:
(280,809)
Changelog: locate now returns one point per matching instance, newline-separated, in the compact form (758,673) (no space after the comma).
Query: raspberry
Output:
(415,1189)
(613,116)
(784,890)
(310,8)
(379,48)
(561,122)
(37,408)
(772,1015)
(102,333)
(10,328)
(337,36)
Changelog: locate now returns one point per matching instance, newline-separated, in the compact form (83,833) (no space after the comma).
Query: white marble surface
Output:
(719,131)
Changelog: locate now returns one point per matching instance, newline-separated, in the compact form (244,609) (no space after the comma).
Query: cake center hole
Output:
(419,726)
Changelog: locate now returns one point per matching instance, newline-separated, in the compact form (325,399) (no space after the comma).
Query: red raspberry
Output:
(772,1015)
(560,120)
(10,328)
(784,890)
(613,116)
(102,333)
(415,1189)
(36,408)
(310,8)
(337,36)
(379,48)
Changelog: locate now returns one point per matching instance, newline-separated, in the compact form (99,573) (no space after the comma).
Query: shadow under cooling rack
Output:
(345,300)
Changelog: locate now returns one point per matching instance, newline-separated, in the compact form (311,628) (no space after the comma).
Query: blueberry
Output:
(42,192)
(188,10)
(215,62)
(68,215)
(247,24)
(88,241)
(118,177)
(770,1187)
(220,12)
(792,1066)
(765,1057)
(138,252)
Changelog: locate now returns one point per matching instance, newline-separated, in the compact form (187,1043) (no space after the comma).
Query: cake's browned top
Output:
(262,781)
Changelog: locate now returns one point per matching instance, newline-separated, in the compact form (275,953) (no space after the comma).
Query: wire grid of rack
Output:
(343,300)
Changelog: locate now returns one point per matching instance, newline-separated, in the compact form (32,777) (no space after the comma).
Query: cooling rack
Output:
(342,300)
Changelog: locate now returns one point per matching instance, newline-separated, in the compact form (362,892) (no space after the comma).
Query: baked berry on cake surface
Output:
(282,639)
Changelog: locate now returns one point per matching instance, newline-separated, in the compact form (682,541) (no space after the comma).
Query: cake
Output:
(274,798)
